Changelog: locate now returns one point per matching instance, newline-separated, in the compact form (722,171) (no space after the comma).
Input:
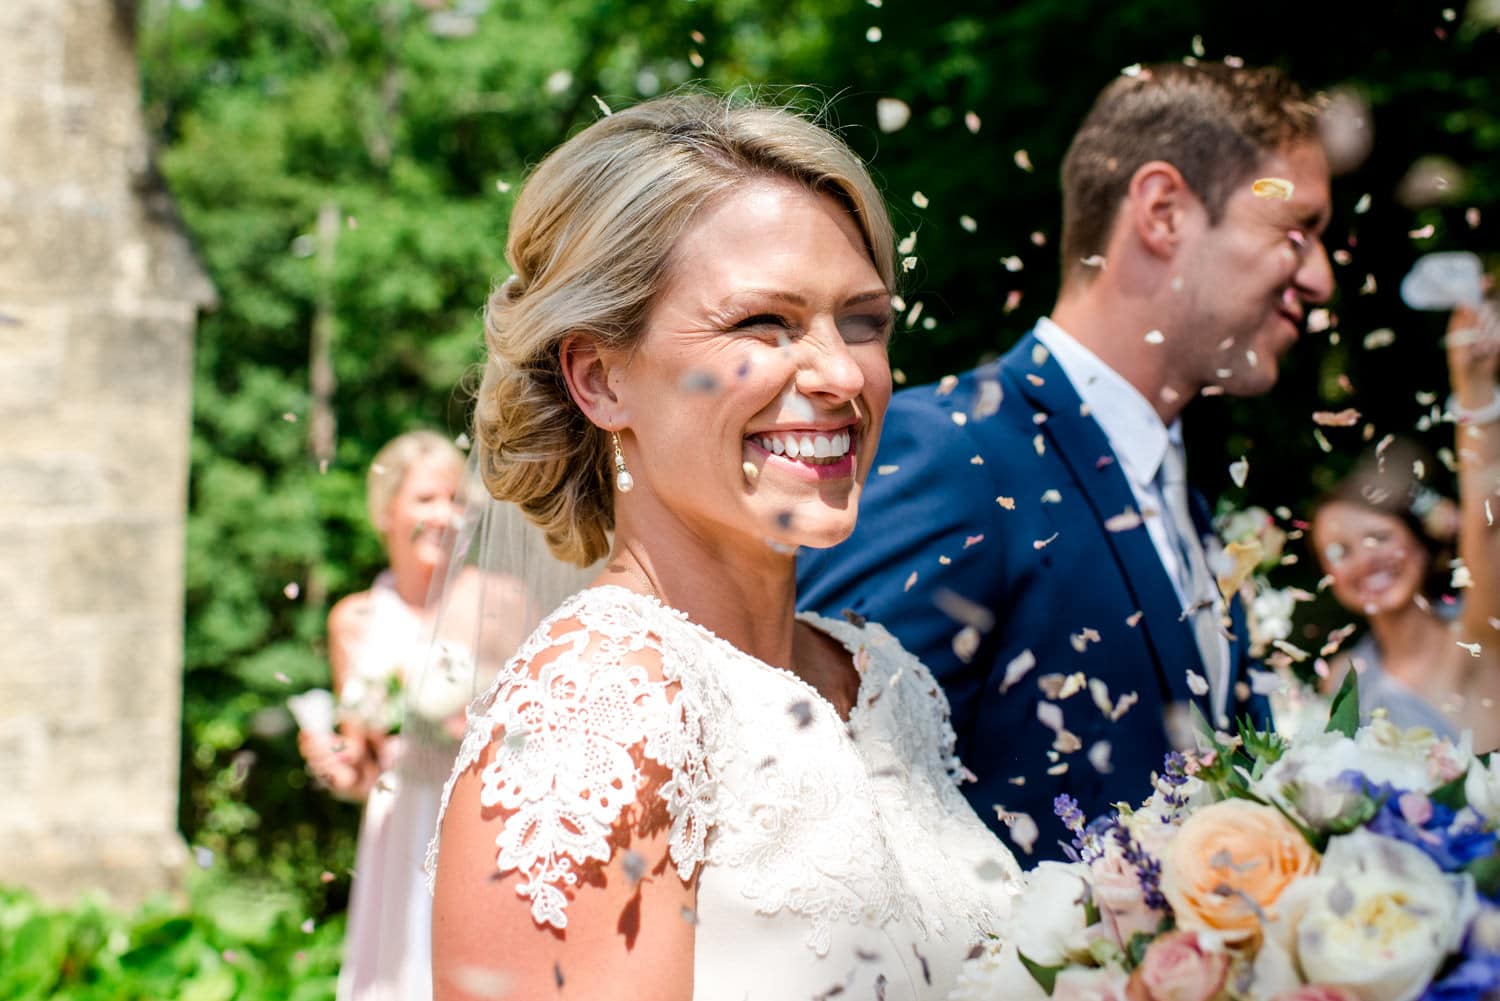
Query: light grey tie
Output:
(1193,575)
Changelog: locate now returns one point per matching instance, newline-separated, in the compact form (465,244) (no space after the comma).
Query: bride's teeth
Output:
(791,448)
(777,446)
(822,447)
(805,447)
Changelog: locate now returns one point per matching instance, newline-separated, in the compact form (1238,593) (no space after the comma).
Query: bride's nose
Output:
(826,367)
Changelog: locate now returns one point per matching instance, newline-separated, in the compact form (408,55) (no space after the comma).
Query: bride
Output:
(678,787)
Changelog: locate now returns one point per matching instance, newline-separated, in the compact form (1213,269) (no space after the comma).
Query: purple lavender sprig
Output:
(1147,869)
(1174,776)
(1085,845)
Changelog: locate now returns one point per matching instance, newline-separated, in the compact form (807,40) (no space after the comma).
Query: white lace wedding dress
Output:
(834,859)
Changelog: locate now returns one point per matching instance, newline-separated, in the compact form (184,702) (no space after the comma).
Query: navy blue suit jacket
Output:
(1005,508)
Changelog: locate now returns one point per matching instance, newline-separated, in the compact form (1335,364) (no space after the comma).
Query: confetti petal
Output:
(1273,187)
(892,114)
(1017,669)
(1336,419)
(1239,471)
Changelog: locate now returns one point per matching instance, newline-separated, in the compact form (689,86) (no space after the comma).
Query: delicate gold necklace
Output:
(640,576)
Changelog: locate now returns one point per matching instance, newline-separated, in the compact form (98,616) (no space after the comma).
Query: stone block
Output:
(48,482)
(116,567)
(29,384)
(49,674)
(125,868)
(113,358)
(25,574)
(23,773)
(120,776)
(35,54)
(140,674)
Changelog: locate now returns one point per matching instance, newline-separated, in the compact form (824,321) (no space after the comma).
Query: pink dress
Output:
(387,945)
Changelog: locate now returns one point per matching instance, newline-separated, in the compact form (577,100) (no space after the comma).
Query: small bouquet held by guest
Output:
(1355,864)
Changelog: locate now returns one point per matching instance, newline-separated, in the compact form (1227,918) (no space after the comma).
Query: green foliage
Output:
(230,943)
(1343,712)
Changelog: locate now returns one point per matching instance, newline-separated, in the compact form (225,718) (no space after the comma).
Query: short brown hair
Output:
(591,241)
(1214,123)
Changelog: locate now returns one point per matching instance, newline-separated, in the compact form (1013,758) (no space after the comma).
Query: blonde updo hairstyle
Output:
(590,244)
(394,461)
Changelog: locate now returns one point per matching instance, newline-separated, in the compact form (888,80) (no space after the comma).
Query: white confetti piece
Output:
(919,200)
(947,384)
(959,417)
(1023,832)
(751,471)
(968,223)
(910,581)
(892,114)
(602,106)
(1023,160)
(873,34)
(1017,669)
(1044,543)
(292,590)
(1196,683)
(966,643)
(1363,205)
(886,470)
(1265,682)
(1382,338)
(1009,503)
(1099,755)
(1012,263)
(1040,444)
(1122,522)
(971,122)
(1052,496)
(1134,619)
(1093,261)
(908,243)
(1239,471)
(1422,232)
(1473,648)
(1155,337)
(1050,715)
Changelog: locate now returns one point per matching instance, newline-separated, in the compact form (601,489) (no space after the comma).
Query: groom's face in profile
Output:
(1252,276)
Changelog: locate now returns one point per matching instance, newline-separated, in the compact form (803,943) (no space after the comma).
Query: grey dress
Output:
(1403,707)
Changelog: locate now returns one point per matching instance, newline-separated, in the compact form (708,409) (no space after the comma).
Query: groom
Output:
(1027,531)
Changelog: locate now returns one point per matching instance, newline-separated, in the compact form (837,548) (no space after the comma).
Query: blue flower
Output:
(1453,839)
(1476,976)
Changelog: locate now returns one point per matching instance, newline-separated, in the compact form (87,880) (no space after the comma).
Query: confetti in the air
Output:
(1093,261)
(1336,419)
(1239,471)
(1363,205)
(892,114)
(1023,160)
(1052,496)
(1473,648)
(1155,337)
(971,122)
(1040,444)
(873,34)
(291,591)
(1196,683)
(1123,522)
(1044,543)
(1423,232)
(1273,187)
(602,106)
(1009,503)
(1382,338)
(1017,669)
(919,200)
(886,470)
(1012,263)
(911,581)
(968,223)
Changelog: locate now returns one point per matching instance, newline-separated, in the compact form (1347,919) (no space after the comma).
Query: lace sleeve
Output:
(570,718)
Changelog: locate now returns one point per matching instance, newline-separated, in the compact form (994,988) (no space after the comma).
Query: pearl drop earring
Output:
(624,482)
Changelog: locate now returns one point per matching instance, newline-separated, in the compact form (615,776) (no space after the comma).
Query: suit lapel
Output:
(1083,447)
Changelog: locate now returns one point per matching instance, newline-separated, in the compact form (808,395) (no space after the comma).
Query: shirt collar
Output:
(1135,431)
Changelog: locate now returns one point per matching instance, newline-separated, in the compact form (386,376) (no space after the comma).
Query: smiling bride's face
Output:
(752,404)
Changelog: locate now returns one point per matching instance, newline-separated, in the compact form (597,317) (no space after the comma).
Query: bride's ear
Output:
(592,373)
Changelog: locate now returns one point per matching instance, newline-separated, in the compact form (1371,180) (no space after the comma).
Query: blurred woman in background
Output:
(1381,537)
(398,694)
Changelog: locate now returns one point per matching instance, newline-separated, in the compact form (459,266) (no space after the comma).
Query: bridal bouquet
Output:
(377,693)
(1348,865)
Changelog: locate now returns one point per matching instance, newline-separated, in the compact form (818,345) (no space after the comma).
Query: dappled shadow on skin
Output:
(636,822)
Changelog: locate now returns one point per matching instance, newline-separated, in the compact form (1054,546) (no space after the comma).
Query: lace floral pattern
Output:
(568,709)
(793,808)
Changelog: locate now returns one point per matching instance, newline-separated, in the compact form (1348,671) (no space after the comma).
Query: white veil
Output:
(499,582)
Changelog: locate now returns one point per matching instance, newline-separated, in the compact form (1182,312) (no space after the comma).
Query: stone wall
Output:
(99,293)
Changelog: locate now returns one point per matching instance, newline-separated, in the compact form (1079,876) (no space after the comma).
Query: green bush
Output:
(231,942)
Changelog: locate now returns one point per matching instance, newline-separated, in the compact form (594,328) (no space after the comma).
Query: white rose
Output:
(1048,922)
(996,972)
(1482,788)
(1378,919)
(446,686)
(1306,778)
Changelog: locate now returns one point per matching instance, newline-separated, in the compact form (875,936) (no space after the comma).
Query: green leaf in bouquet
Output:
(1486,873)
(1264,747)
(1343,713)
(1045,976)
(1135,951)
(1451,794)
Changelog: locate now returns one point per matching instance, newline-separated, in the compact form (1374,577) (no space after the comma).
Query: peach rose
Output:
(1080,983)
(1228,865)
(1177,967)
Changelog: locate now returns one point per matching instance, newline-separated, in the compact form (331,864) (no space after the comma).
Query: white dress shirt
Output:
(1139,441)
